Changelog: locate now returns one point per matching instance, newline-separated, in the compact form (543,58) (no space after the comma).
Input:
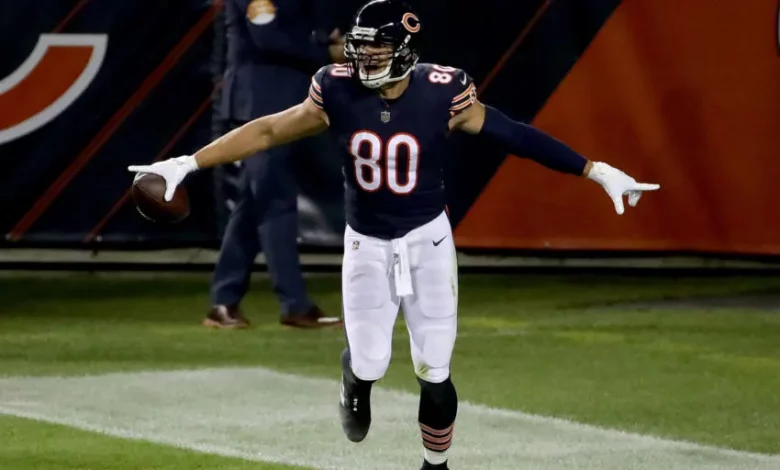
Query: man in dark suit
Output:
(273,48)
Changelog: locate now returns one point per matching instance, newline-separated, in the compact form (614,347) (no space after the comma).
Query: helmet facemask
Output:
(376,60)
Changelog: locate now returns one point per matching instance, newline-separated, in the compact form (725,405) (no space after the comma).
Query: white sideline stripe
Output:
(263,415)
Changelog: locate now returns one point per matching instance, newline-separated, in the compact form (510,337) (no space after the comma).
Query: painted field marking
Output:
(263,415)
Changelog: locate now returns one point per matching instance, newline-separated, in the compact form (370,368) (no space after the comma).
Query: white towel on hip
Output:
(401,268)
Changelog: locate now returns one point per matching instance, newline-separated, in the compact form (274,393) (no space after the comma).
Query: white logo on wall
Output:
(82,54)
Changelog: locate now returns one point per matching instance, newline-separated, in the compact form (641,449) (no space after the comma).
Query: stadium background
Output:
(684,94)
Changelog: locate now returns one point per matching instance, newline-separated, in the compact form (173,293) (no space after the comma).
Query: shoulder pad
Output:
(457,85)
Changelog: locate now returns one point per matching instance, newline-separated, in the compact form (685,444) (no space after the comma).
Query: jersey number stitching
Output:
(340,70)
(439,77)
(368,172)
(442,75)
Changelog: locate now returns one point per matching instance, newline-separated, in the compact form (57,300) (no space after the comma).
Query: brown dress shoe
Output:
(225,318)
(314,318)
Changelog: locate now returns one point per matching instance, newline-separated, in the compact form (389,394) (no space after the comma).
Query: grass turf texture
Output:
(560,346)
(31,445)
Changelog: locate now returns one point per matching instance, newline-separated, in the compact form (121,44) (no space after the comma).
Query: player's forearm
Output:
(252,137)
(526,141)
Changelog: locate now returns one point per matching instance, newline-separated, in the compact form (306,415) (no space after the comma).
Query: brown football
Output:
(148,194)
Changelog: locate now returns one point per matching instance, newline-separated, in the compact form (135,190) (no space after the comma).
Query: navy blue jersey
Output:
(393,149)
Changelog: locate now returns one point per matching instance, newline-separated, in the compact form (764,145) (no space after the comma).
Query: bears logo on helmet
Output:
(411,22)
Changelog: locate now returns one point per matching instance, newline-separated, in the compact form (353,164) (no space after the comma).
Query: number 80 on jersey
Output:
(370,153)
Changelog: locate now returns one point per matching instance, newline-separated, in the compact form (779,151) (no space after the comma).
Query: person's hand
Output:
(173,171)
(336,47)
(616,184)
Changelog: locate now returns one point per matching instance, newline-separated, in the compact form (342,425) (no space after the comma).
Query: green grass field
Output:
(647,355)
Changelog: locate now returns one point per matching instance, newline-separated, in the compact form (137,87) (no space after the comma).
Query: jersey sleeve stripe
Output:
(468,100)
(316,98)
(462,105)
(315,92)
(316,85)
(464,94)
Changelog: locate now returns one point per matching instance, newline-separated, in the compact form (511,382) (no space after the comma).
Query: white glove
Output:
(173,170)
(617,183)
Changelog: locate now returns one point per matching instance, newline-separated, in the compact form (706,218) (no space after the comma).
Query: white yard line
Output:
(258,414)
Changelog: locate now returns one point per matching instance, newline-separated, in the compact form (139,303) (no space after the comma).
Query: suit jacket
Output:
(273,49)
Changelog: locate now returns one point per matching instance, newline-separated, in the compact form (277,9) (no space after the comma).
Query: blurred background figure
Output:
(273,49)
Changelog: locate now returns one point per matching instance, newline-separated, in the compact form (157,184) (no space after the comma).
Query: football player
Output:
(391,114)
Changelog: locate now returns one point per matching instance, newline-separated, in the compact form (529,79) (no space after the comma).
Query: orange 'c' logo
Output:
(411,22)
(54,75)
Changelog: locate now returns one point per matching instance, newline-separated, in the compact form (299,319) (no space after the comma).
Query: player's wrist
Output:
(588,167)
(597,172)
(189,162)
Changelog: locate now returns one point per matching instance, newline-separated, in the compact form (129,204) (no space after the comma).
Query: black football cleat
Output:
(430,466)
(355,403)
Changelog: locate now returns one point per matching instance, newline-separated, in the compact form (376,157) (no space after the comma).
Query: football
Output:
(148,194)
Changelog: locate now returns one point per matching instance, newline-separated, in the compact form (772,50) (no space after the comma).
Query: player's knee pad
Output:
(433,374)
(370,350)
(434,353)
(433,329)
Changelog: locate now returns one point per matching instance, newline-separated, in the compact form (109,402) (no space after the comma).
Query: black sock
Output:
(438,409)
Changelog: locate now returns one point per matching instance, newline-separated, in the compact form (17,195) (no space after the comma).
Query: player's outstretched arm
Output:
(527,141)
(292,124)
(295,123)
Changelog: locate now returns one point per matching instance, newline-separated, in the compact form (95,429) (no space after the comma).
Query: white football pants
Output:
(417,272)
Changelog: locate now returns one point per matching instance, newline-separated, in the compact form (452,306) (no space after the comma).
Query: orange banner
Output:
(681,93)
